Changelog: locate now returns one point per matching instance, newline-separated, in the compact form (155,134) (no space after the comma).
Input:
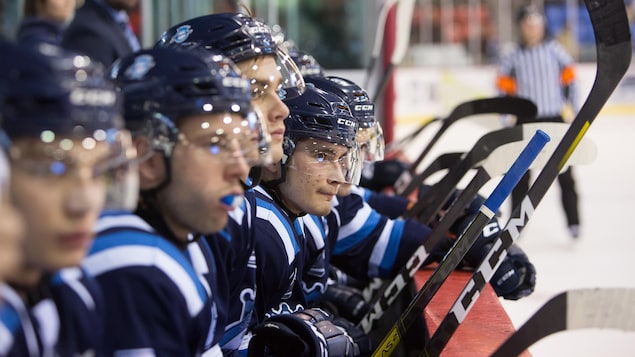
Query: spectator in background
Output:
(101,29)
(541,70)
(44,21)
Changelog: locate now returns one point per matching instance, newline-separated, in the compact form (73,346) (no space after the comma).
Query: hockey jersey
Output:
(63,317)
(156,302)
(233,251)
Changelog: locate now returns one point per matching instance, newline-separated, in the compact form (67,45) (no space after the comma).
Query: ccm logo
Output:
(346,122)
(364,107)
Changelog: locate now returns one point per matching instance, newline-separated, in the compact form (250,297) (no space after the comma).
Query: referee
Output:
(541,70)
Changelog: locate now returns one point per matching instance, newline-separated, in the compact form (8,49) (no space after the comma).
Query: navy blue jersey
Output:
(280,247)
(358,240)
(369,244)
(63,318)
(156,303)
(81,312)
(233,251)
(391,206)
(22,333)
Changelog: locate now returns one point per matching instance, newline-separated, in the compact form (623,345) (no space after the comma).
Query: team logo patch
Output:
(182,33)
(142,64)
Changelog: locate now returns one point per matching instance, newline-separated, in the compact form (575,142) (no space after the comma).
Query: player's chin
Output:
(320,208)
(66,258)
(215,224)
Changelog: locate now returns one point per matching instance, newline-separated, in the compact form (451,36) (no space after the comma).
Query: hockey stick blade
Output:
(486,212)
(523,109)
(604,308)
(613,40)
(431,201)
(401,143)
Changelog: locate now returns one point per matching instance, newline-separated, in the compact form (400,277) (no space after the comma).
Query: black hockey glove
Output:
(345,301)
(515,278)
(307,333)
(380,175)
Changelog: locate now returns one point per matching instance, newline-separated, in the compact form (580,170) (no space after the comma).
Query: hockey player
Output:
(249,43)
(66,147)
(193,126)
(360,238)
(320,155)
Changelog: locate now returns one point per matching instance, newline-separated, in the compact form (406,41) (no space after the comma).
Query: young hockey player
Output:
(193,126)
(248,42)
(320,155)
(66,147)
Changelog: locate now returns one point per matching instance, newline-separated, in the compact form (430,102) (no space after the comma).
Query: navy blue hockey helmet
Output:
(370,136)
(56,103)
(56,91)
(241,38)
(324,117)
(163,85)
(307,64)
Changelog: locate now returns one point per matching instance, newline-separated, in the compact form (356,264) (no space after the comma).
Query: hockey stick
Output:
(379,38)
(495,164)
(520,107)
(611,28)
(610,308)
(399,144)
(389,291)
(487,211)
(431,201)
(403,20)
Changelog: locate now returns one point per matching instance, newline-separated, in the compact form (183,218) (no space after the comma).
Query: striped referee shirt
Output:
(543,74)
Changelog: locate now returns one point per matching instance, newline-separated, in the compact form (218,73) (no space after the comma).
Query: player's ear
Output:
(152,170)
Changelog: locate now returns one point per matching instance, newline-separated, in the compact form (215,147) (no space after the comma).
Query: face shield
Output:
(370,139)
(104,154)
(325,160)
(279,76)
(228,136)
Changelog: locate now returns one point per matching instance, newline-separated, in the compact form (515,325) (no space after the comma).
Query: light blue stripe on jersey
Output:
(360,191)
(268,212)
(384,254)
(71,277)
(123,249)
(357,230)
(9,324)
(119,219)
(316,228)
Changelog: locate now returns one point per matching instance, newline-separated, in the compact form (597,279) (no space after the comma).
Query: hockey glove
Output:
(345,301)
(380,175)
(515,278)
(307,333)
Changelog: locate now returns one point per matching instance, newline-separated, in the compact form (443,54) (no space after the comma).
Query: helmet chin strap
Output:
(273,188)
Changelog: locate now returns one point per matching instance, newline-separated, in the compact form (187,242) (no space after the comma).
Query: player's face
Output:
(60,190)
(207,164)
(266,79)
(315,173)
(11,238)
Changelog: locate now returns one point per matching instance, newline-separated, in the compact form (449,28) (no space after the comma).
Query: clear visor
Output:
(371,142)
(327,160)
(280,76)
(106,155)
(229,136)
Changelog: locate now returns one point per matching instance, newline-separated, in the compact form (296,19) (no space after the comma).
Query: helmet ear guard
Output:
(288,146)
